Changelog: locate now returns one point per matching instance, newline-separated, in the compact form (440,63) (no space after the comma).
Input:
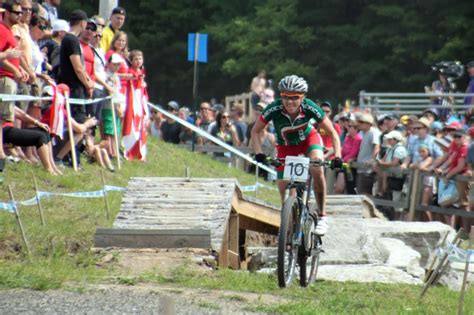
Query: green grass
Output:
(62,257)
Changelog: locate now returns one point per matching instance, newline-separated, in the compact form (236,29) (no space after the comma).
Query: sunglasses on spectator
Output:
(225,117)
(101,25)
(91,29)
(16,12)
(417,128)
(42,27)
(290,98)
(457,136)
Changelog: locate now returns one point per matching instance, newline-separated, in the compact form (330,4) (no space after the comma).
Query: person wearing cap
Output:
(117,19)
(369,149)
(390,123)
(11,72)
(72,71)
(85,39)
(421,128)
(216,109)
(469,100)
(327,141)
(390,173)
(170,129)
(52,46)
(456,164)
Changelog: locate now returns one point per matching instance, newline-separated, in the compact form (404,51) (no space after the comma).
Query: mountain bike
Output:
(297,244)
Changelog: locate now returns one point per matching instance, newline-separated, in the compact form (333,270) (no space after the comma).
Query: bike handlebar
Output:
(316,162)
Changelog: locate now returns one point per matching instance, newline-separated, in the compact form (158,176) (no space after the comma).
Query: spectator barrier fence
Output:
(409,103)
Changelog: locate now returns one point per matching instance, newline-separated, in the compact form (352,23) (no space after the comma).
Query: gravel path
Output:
(118,300)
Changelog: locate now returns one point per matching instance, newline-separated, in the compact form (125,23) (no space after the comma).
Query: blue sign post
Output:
(197,52)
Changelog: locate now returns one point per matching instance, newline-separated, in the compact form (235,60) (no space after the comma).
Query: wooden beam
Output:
(257,212)
(251,224)
(233,227)
(138,238)
(223,253)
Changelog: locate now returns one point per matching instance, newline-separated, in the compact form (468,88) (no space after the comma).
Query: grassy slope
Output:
(61,249)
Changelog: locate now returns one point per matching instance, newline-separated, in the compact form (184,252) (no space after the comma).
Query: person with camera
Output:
(293,116)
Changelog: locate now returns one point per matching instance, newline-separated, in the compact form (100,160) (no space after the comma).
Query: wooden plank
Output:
(251,224)
(233,227)
(223,253)
(140,238)
(450,211)
(259,213)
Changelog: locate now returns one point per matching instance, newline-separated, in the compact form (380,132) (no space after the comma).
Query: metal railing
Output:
(410,103)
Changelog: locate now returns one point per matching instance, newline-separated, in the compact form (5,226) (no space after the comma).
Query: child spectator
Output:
(428,181)
(117,102)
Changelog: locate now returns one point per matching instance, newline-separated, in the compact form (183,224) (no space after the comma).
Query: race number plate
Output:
(296,168)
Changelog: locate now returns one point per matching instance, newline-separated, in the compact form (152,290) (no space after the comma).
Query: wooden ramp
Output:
(168,212)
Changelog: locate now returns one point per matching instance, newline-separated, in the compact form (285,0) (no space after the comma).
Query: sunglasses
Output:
(17,12)
(290,98)
(101,25)
(417,128)
(457,136)
(224,117)
(91,29)
(42,27)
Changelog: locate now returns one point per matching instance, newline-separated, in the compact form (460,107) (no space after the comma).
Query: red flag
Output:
(134,128)
(58,110)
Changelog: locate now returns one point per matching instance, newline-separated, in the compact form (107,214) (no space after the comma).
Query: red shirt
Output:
(7,41)
(459,152)
(327,140)
(88,59)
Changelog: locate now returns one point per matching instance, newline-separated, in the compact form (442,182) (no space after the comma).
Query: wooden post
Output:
(38,200)
(330,181)
(233,250)
(413,194)
(18,220)
(441,264)
(187,172)
(430,268)
(70,131)
(466,271)
(116,142)
(107,210)
(256,179)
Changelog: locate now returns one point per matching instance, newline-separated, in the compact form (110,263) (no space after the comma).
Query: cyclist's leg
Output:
(314,150)
(319,180)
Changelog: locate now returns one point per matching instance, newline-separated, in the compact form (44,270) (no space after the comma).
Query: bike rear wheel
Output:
(287,251)
(309,261)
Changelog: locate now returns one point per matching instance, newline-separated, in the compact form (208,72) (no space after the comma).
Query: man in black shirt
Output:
(170,129)
(72,70)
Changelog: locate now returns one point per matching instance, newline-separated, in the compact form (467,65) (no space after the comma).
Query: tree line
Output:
(341,47)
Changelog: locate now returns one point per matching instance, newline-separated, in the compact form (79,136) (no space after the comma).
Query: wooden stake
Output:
(430,269)
(116,141)
(71,132)
(466,271)
(107,210)
(441,264)
(413,194)
(187,172)
(18,220)
(40,208)
(256,179)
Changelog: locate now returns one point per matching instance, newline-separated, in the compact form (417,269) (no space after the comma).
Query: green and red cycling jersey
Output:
(292,132)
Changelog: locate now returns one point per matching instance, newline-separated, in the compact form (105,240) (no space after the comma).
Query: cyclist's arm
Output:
(255,136)
(326,124)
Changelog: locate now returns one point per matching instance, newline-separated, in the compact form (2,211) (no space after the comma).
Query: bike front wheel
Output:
(309,263)
(287,251)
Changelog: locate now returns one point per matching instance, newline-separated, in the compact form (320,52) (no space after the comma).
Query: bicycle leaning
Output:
(297,244)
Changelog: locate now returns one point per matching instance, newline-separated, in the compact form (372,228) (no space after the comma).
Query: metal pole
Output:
(38,200)
(18,220)
(71,133)
(105,195)
(105,8)
(116,141)
(195,84)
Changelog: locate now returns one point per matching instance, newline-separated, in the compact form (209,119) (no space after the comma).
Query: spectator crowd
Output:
(42,54)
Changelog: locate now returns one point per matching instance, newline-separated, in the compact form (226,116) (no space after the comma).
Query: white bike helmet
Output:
(293,83)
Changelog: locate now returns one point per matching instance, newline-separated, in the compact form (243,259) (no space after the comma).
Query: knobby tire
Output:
(303,260)
(287,253)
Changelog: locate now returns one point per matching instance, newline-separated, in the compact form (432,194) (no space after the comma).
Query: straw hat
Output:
(367,118)
(425,122)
